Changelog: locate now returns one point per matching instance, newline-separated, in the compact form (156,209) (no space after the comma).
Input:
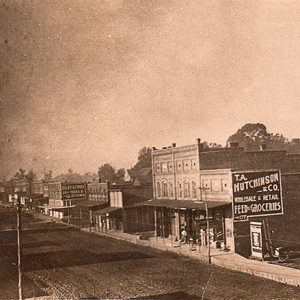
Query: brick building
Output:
(184,178)
(63,196)
(40,187)
(97,191)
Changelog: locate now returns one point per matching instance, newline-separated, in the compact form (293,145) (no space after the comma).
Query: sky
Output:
(86,82)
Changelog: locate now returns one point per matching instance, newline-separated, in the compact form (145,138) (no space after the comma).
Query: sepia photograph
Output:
(149,149)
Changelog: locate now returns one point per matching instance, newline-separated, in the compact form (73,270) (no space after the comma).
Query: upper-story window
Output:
(164,167)
(186,165)
(179,165)
(206,183)
(170,166)
(224,185)
(157,167)
(193,164)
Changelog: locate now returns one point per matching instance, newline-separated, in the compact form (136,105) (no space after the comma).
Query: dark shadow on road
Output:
(9,287)
(68,258)
(170,296)
(31,244)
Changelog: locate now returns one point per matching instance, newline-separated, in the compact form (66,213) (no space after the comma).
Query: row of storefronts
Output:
(204,194)
(196,194)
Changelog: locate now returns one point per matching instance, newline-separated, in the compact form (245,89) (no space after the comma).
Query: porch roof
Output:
(52,207)
(107,210)
(92,204)
(187,204)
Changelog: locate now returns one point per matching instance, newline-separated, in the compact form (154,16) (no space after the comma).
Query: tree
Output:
(143,164)
(48,175)
(30,176)
(207,145)
(120,176)
(106,172)
(144,161)
(21,174)
(144,157)
(252,136)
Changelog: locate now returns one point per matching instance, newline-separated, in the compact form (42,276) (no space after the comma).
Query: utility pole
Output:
(69,220)
(207,223)
(19,241)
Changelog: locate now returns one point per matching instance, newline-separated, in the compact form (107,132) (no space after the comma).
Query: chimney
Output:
(198,141)
(263,147)
(173,145)
(233,144)
(164,148)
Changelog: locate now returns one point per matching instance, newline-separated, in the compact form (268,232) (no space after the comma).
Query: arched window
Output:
(171,193)
(194,190)
(158,191)
(179,189)
(186,190)
(164,189)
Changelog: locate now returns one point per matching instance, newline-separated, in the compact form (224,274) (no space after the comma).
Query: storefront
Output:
(186,220)
(109,218)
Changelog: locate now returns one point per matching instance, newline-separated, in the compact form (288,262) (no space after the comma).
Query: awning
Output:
(107,210)
(92,204)
(187,204)
(56,207)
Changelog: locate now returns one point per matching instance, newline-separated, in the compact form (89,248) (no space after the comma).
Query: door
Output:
(229,236)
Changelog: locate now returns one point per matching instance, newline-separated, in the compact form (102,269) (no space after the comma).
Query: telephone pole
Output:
(19,241)
(207,223)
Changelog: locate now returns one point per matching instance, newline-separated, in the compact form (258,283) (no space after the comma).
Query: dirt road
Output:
(74,265)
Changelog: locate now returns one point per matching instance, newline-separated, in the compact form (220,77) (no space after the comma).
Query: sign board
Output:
(73,191)
(256,193)
(256,239)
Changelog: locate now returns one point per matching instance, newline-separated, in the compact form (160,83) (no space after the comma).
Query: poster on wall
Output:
(256,193)
(256,239)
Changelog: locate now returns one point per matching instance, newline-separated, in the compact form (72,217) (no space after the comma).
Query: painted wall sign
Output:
(256,193)
(73,191)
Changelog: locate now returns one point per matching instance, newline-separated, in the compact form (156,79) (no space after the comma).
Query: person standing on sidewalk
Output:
(183,236)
